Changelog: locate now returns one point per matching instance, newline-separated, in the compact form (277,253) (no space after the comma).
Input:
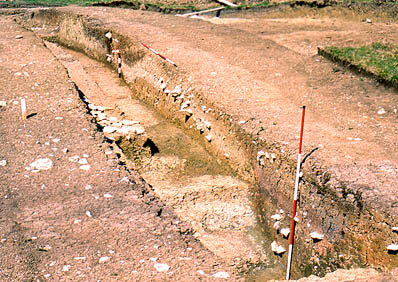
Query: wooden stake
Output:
(23,109)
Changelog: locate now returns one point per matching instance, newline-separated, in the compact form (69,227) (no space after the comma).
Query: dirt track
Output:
(269,62)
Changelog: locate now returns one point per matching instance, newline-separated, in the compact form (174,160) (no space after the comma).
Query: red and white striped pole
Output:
(160,55)
(296,186)
(119,64)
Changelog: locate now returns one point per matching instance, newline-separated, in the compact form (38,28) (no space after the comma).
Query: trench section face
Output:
(202,190)
(326,205)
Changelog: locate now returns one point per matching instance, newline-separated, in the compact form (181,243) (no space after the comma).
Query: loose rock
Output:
(285,232)
(3,163)
(276,248)
(42,164)
(317,236)
(108,35)
(393,247)
(109,129)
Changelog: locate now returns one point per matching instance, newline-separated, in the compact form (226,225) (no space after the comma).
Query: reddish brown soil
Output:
(57,224)
(259,67)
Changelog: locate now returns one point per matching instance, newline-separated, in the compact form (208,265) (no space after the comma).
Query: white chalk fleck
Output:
(104,259)
(161,267)
(3,162)
(381,111)
(66,268)
(85,167)
(74,158)
(88,213)
(83,161)
(221,274)
(276,216)
(79,258)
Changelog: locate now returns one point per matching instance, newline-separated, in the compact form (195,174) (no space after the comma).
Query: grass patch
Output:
(254,5)
(57,3)
(378,59)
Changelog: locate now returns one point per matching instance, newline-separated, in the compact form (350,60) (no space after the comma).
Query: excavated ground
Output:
(247,76)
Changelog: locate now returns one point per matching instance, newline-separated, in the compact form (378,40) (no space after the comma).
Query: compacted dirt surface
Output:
(87,217)
(78,216)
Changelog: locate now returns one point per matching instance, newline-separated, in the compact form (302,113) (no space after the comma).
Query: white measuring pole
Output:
(296,187)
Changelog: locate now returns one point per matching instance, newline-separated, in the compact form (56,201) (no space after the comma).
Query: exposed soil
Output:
(75,222)
(251,72)
(181,171)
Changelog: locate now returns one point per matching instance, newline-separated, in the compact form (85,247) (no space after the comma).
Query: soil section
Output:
(200,189)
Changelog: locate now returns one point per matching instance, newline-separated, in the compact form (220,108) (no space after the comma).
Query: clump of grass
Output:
(378,59)
(253,5)
(52,3)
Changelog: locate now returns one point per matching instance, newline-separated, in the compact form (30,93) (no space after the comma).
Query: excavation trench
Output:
(201,189)
(234,188)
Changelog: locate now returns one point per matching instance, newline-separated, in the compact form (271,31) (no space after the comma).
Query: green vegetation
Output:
(132,3)
(254,5)
(378,59)
(57,2)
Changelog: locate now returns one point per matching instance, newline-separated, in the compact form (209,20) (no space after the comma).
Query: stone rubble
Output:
(113,128)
